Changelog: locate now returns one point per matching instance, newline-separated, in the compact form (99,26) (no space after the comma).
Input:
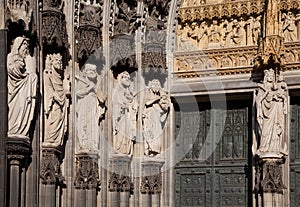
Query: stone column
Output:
(3,107)
(50,175)
(120,184)
(151,182)
(18,149)
(87,181)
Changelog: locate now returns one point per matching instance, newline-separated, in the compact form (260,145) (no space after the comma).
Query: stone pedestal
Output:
(269,184)
(50,175)
(119,184)
(87,181)
(151,182)
(18,150)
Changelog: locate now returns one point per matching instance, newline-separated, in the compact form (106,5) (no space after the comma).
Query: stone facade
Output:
(149,103)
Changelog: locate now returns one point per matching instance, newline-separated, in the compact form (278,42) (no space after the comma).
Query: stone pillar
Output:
(120,184)
(87,181)
(18,149)
(50,175)
(151,182)
(3,108)
(269,181)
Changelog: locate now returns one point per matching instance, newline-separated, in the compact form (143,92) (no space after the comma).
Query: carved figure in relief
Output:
(214,36)
(236,33)
(124,115)
(225,32)
(255,29)
(289,27)
(203,35)
(55,102)
(90,108)
(155,113)
(125,18)
(272,108)
(22,85)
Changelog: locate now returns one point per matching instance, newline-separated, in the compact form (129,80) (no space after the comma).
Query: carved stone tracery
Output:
(88,33)
(151,182)
(86,172)
(50,167)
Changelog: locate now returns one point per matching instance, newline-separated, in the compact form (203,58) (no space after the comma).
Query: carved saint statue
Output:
(90,108)
(156,107)
(55,102)
(22,84)
(289,27)
(124,115)
(272,107)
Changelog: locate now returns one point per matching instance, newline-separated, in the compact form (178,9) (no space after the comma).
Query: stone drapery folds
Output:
(22,84)
(55,104)
(90,108)
(272,108)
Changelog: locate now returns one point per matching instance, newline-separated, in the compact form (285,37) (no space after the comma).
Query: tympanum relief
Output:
(22,85)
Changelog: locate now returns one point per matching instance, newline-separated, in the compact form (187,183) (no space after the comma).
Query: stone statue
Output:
(272,108)
(22,85)
(289,27)
(55,102)
(124,115)
(156,107)
(90,108)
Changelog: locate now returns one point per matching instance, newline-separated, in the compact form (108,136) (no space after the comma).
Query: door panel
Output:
(215,170)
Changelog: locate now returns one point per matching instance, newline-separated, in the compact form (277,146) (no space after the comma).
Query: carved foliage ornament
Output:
(86,173)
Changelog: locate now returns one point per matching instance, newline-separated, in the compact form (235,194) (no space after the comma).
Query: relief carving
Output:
(272,108)
(218,34)
(156,106)
(90,108)
(289,28)
(22,85)
(125,18)
(124,115)
(55,102)
(19,10)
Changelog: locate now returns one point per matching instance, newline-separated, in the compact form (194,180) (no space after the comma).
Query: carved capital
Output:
(50,166)
(86,171)
(18,148)
(151,182)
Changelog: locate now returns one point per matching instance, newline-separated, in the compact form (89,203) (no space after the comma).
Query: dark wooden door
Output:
(216,168)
